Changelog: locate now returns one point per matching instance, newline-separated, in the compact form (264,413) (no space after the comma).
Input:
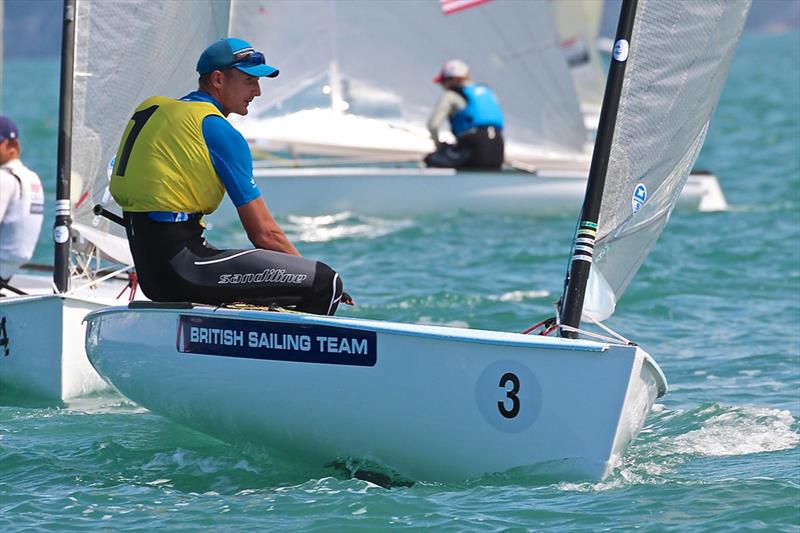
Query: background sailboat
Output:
(439,403)
(341,98)
(341,68)
(122,52)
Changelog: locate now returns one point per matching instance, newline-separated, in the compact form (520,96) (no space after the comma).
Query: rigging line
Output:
(606,338)
(97,281)
(532,328)
(547,325)
(4,285)
(611,331)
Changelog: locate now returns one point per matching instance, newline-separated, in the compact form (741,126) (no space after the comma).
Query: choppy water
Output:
(717,304)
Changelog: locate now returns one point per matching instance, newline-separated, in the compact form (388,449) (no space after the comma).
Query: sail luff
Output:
(586,234)
(63,220)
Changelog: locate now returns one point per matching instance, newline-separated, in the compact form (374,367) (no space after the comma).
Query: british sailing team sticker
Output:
(639,197)
(509,396)
(276,341)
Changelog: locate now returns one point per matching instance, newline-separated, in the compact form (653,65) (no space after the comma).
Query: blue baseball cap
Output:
(8,130)
(234,53)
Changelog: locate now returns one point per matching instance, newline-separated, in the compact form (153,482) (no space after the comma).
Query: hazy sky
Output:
(33,27)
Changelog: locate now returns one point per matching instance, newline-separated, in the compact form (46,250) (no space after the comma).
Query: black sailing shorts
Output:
(481,148)
(174,263)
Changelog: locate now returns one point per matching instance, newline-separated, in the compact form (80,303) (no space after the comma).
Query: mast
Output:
(583,246)
(61,228)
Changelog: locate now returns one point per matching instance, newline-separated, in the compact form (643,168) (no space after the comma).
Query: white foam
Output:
(518,296)
(728,431)
(323,220)
(739,431)
(340,226)
(430,321)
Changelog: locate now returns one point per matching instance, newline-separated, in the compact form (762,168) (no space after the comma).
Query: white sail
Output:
(377,59)
(125,51)
(677,64)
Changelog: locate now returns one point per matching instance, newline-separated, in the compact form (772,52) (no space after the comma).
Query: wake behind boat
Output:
(437,403)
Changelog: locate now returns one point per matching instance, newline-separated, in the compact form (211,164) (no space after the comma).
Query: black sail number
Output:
(510,395)
(139,118)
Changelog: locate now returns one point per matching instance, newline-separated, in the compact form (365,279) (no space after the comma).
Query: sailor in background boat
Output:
(21,204)
(176,160)
(476,121)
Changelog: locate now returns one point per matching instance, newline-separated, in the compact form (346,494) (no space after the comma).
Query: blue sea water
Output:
(717,304)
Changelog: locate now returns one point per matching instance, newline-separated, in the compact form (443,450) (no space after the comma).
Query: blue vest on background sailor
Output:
(482,109)
(22,198)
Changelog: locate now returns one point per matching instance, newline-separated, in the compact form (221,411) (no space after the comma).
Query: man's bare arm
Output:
(261,228)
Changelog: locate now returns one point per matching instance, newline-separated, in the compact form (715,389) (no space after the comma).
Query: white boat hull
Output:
(405,192)
(45,355)
(427,402)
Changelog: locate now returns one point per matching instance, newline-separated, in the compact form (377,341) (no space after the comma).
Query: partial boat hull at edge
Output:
(46,357)
(430,403)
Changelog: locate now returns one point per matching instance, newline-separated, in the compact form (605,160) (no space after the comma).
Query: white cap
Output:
(455,68)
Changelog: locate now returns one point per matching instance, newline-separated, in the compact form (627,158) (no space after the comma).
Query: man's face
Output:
(9,149)
(237,90)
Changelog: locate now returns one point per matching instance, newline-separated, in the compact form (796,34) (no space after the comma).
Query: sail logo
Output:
(639,197)
(270,275)
(621,50)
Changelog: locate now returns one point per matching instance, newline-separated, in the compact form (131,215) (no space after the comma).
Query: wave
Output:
(518,296)
(727,431)
(676,438)
(341,226)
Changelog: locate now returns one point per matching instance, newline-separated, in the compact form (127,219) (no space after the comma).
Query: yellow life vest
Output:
(163,163)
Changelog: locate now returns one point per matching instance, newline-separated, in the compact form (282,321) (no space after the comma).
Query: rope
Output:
(618,339)
(552,324)
(612,332)
(95,282)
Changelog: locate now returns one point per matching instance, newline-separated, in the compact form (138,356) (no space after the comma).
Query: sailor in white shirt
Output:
(21,203)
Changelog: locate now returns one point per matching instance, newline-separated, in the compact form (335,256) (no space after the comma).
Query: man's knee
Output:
(326,292)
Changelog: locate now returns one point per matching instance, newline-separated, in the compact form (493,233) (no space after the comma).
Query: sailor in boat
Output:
(21,204)
(476,121)
(176,160)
